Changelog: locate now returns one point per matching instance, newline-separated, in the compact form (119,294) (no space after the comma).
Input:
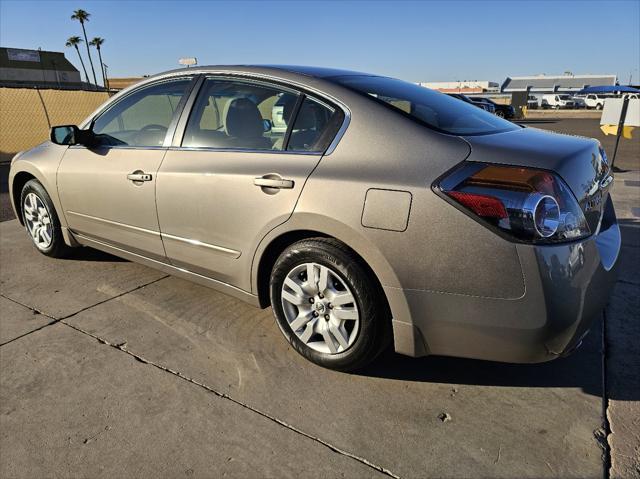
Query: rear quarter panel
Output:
(441,248)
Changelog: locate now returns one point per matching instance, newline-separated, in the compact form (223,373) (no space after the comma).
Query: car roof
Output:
(306,70)
(314,71)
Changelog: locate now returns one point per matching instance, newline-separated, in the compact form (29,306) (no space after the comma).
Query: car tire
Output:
(500,114)
(41,220)
(599,106)
(317,322)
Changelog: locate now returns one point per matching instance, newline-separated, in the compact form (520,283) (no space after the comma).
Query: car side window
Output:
(231,114)
(142,118)
(314,127)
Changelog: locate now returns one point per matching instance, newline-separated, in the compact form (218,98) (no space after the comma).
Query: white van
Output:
(557,101)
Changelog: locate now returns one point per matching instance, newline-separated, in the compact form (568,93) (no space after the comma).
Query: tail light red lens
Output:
(526,203)
(482,205)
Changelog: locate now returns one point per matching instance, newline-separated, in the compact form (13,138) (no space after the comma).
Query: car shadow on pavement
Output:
(90,254)
(582,369)
(533,122)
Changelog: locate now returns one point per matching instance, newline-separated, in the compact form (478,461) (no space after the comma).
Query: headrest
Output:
(243,119)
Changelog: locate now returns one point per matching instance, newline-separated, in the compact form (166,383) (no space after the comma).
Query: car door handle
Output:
(139,176)
(273,183)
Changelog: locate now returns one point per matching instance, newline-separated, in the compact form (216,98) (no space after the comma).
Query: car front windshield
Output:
(433,109)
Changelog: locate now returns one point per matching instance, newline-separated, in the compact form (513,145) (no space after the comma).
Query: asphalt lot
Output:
(111,369)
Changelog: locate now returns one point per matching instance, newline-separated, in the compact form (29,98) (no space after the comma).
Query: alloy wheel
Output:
(38,221)
(320,308)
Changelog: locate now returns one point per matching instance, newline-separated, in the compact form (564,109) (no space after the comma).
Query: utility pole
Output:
(106,77)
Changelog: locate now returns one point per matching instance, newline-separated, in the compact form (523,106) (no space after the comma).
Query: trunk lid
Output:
(579,161)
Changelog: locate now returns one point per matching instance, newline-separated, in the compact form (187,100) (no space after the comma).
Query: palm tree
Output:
(83,16)
(97,42)
(74,42)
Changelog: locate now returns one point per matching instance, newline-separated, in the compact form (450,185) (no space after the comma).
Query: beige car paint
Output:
(211,197)
(101,202)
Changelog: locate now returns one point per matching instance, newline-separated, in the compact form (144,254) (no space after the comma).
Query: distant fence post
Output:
(44,107)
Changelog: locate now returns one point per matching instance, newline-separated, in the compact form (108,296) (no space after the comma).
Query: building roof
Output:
(124,82)
(555,82)
(34,60)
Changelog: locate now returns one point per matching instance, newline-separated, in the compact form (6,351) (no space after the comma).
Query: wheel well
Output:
(278,245)
(18,183)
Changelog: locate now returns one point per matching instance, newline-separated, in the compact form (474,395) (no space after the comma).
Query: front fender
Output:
(41,162)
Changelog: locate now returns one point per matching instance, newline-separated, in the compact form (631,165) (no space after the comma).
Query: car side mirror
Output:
(70,135)
(266,125)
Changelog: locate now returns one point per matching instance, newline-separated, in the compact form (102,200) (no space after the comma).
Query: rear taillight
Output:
(528,204)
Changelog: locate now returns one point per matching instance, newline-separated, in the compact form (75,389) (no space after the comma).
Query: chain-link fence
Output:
(27,114)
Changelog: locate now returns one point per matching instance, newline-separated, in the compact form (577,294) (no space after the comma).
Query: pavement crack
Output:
(55,320)
(29,332)
(603,438)
(123,347)
(31,308)
(115,297)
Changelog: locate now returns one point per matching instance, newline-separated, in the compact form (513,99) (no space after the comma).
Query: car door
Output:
(107,191)
(230,177)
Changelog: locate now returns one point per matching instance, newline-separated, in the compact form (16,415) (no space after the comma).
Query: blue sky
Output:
(416,41)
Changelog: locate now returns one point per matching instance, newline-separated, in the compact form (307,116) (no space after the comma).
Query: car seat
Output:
(244,125)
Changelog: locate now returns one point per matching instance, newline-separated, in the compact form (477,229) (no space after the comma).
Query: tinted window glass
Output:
(235,114)
(437,111)
(315,127)
(142,118)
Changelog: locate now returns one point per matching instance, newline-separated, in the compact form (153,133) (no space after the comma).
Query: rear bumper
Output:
(566,288)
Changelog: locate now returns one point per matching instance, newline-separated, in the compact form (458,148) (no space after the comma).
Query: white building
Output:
(465,86)
(555,83)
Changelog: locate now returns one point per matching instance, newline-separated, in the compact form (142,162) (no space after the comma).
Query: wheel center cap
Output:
(319,307)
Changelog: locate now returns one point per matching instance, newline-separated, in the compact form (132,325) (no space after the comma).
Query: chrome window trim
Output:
(183,122)
(119,147)
(242,150)
(259,82)
(271,82)
(133,89)
(200,75)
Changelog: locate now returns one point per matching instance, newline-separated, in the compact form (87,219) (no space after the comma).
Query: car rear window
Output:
(433,109)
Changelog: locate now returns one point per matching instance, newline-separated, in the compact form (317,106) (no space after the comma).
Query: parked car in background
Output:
(466,99)
(595,101)
(501,110)
(279,125)
(557,101)
(578,102)
(385,213)
(532,102)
